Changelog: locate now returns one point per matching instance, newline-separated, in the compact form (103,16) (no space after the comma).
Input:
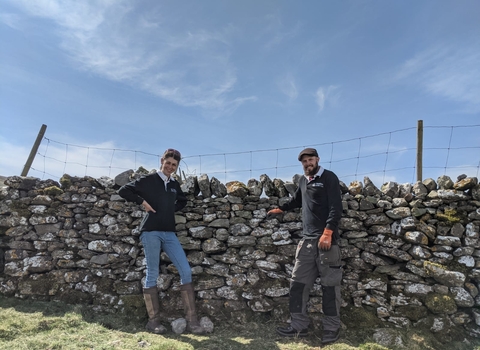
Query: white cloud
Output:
(288,87)
(326,93)
(115,41)
(10,19)
(448,72)
(275,33)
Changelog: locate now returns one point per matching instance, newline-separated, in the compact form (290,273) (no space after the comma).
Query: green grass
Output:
(32,325)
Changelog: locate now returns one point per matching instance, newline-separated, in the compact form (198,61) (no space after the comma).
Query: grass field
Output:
(31,325)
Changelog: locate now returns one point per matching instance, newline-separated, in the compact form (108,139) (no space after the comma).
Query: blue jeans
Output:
(153,242)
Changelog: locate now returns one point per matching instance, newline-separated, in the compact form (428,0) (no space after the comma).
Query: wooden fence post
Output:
(419,150)
(34,150)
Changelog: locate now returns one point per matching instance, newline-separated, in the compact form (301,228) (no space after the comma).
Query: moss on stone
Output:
(18,205)
(452,266)
(66,181)
(52,191)
(133,305)
(427,264)
(456,266)
(104,285)
(450,216)
(133,300)
(40,286)
(51,211)
(440,303)
(23,213)
(76,297)
(412,312)
(353,316)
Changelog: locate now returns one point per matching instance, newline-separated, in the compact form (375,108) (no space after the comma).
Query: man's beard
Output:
(310,171)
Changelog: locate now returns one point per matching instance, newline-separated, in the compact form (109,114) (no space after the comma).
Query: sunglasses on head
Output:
(171,152)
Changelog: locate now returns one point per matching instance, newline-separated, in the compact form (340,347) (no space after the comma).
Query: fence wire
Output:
(388,156)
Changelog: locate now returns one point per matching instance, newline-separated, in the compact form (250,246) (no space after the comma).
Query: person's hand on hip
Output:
(147,207)
(275,211)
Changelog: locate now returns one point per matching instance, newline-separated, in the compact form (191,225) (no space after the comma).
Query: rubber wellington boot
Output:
(153,309)
(188,298)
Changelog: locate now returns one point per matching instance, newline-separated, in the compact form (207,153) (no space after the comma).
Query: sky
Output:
(240,87)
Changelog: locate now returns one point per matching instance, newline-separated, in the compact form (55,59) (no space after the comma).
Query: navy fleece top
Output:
(165,199)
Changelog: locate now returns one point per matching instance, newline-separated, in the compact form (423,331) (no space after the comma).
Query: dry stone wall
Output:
(411,252)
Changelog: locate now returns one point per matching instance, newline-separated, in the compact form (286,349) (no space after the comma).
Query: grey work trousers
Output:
(310,262)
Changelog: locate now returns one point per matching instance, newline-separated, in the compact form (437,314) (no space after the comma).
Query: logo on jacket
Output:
(173,190)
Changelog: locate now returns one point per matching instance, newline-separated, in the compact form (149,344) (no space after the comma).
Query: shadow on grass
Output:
(259,333)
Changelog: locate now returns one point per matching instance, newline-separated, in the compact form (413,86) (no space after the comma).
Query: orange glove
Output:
(325,241)
(274,211)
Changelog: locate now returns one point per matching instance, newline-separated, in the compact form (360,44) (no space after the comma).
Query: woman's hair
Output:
(172,153)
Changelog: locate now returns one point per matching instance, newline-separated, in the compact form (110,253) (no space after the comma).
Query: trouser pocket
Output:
(330,276)
(330,266)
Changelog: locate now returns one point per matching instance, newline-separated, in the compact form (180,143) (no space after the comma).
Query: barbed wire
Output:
(350,158)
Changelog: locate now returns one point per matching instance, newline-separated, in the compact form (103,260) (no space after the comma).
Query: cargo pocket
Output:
(330,267)
(330,276)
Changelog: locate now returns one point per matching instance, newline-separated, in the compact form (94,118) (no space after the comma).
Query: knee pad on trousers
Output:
(296,297)
(329,303)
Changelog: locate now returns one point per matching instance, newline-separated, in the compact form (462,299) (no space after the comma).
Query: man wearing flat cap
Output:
(318,253)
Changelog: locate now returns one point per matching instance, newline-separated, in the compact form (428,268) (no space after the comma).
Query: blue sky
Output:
(224,77)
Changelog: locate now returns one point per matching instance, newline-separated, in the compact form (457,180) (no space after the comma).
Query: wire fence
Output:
(388,156)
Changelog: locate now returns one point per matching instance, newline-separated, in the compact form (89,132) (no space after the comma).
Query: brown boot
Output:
(153,309)
(188,298)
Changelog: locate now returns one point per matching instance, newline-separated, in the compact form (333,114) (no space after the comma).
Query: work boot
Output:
(330,336)
(188,298)
(153,309)
(289,331)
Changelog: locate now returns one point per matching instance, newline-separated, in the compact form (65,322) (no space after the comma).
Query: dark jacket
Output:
(321,204)
(165,201)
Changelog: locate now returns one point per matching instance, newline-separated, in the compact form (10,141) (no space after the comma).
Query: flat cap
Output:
(308,152)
